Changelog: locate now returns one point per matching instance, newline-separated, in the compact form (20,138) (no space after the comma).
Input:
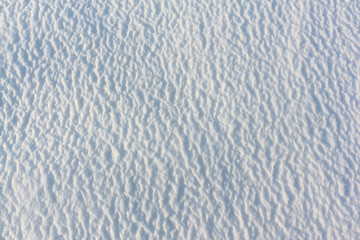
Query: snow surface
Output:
(152,119)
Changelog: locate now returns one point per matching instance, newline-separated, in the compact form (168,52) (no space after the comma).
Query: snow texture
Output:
(194,119)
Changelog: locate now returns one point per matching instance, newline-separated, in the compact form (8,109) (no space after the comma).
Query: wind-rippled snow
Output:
(179,119)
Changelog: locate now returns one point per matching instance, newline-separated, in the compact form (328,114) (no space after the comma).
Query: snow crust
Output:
(150,119)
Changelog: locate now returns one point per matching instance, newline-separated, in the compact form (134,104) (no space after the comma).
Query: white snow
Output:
(149,119)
